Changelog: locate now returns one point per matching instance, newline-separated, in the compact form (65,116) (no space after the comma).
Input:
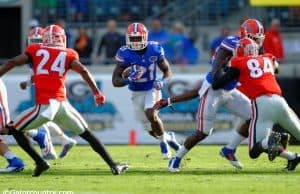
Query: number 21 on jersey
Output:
(256,71)
(58,64)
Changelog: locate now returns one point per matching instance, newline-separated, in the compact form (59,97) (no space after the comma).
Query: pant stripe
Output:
(3,111)
(26,119)
(200,113)
(252,128)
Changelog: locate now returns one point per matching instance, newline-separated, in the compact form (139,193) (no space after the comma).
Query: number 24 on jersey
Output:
(58,64)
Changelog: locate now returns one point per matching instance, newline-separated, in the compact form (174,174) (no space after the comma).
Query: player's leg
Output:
(67,142)
(69,118)
(29,119)
(15,164)
(288,119)
(207,109)
(240,105)
(261,138)
(166,139)
(42,137)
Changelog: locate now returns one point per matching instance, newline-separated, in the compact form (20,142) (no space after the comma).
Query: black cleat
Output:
(119,168)
(40,168)
(274,145)
(292,164)
(285,138)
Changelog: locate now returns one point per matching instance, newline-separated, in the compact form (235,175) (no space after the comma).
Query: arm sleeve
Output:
(121,58)
(221,59)
(229,75)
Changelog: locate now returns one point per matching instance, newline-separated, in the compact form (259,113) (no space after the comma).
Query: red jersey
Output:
(49,66)
(256,75)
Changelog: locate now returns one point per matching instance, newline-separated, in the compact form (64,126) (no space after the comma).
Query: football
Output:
(126,72)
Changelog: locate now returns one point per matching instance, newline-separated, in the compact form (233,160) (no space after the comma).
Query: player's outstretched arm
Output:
(117,79)
(180,98)
(13,62)
(88,78)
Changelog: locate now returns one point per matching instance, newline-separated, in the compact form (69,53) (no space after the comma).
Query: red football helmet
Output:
(35,35)
(246,47)
(252,28)
(54,36)
(136,36)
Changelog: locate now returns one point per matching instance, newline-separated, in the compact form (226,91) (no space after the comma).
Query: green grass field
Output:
(203,171)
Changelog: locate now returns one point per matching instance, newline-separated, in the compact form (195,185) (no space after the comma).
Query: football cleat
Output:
(274,145)
(44,141)
(292,164)
(40,168)
(14,165)
(119,168)
(67,147)
(174,164)
(173,142)
(49,156)
(165,150)
(229,154)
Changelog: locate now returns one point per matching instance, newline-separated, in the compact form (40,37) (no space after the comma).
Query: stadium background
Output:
(202,22)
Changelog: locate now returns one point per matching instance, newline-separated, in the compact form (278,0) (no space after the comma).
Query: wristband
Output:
(169,101)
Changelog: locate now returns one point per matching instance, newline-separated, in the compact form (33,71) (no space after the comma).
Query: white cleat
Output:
(67,147)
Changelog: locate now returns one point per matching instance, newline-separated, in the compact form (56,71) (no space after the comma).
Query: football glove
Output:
(160,83)
(162,103)
(99,98)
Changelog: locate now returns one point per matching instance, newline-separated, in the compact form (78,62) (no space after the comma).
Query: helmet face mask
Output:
(35,36)
(254,30)
(54,36)
(136,36)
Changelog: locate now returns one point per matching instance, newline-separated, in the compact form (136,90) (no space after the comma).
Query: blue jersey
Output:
(229,43)
(147,62)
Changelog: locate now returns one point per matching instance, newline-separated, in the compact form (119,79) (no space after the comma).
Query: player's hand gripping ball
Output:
(133,73)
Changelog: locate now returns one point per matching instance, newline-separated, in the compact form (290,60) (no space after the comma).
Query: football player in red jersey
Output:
(50,63)
(42,135)
(256,74)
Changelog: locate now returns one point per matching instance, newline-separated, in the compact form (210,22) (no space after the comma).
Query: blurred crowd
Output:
(180,48)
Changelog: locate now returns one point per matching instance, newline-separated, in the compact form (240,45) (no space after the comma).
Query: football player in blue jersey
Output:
(229,97)
(136,67)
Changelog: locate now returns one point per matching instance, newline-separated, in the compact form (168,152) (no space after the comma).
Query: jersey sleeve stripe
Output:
(227,46)
(119,59)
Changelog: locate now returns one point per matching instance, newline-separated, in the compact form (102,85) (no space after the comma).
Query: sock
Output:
(9,155)
(181,152)
(97,147)
(235,141)
(32,133)
(167,136)
(25,144)
(63,138)
(164,137)
(264,143)
(288,155)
